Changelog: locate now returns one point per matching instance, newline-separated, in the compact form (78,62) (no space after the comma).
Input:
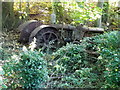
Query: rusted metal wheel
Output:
(47,39)
(26,29)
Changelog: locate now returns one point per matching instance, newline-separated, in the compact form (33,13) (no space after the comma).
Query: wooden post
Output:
(27,10)
(53,15)
(100,4)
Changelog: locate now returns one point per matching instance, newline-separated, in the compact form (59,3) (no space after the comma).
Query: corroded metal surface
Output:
(63,33)
(47,39)
(22,26)
(26,29)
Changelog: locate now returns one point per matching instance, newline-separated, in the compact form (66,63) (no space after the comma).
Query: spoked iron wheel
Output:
(47,40)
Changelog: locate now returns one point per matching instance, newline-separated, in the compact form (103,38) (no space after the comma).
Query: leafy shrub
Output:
(75,67)
(76,12)
(27,70)
(72,57)
(3,54)
(109,40)
(83,78)
(109,48)
(68,61)
(2,85)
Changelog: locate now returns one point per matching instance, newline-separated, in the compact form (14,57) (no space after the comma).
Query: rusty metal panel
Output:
(36,30)
(22,26)
(26,29)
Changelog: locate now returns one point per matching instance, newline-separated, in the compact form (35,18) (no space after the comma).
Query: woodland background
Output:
(70,66)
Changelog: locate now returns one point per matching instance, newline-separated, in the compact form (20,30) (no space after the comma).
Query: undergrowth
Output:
(94,63)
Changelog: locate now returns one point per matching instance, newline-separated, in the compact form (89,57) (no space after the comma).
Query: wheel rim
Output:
(48,41)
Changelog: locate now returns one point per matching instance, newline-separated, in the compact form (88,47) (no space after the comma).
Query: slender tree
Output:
(27,10)
(105,11)
(99,21)
(7,15)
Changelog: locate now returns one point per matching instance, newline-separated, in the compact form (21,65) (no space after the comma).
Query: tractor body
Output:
(54,35)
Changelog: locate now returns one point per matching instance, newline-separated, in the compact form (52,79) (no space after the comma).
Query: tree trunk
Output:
(7,15)
(99,21)
(27,11)
(105,11)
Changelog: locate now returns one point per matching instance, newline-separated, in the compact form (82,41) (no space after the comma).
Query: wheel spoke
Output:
(48,41)
(49,36)
(44,38)
(52,41)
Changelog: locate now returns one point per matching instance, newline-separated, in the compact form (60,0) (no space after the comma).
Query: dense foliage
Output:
(27,70)
(113,17)
(2,81)
(109,48)
(78,68)
(94,63)
(72,12)
(74,66)
(33,10)
(76,12)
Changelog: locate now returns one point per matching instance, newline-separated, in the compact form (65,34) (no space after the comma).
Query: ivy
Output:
(27,70)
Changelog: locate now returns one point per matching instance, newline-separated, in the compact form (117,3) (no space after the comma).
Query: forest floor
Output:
(9,45)
(10,41)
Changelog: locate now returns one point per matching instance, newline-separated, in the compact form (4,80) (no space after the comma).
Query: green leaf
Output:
(4,86)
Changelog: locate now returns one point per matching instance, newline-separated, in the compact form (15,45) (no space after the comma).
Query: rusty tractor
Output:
(50,37)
